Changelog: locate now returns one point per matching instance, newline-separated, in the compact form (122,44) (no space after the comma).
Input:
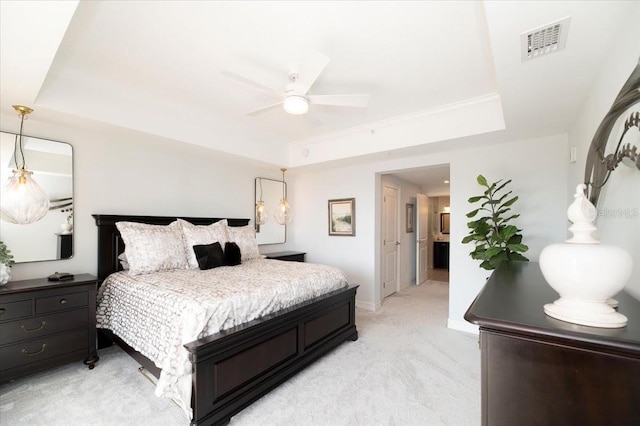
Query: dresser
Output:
(291,256)
(44,324)
(537,370)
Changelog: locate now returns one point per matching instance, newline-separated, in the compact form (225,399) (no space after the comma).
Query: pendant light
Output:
(262,214)
(23,201)
(283,212)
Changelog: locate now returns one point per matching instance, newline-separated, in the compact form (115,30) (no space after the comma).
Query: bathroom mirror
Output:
(50,238)
(444,223)
(270,192)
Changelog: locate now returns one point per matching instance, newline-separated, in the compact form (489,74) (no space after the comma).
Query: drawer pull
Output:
(63,301)
(27,353)
(31,330)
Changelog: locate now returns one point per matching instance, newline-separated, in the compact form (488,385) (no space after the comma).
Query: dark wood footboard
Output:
(233,368)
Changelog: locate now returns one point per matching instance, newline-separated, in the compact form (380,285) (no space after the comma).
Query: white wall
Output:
(124,172)
(619,203)
(537,166)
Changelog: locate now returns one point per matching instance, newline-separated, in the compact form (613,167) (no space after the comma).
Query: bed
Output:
(231,369)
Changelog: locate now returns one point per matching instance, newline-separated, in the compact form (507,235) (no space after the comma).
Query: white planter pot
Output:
(5,274)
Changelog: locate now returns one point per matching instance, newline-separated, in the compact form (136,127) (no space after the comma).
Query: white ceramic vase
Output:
(5,274)
(584,272)
(66,228)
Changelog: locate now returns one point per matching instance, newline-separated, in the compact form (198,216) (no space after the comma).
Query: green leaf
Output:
(503,185)
(475,199)
(493,251)
(487,265)
(473,213)
(507,232)
(518,257)
(517,247)
(510,202)
(505,195)
(497,260)
(516,239)
(482,181)
(467,239)
(515,216)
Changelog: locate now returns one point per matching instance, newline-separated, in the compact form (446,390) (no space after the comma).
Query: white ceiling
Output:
(157,67)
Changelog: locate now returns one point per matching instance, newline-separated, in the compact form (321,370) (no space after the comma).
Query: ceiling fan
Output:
(295,98)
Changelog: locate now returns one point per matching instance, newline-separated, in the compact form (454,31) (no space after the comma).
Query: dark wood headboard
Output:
(110,243)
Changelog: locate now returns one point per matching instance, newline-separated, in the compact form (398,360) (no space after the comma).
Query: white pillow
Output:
(202,234)
(245,238)
(152,248)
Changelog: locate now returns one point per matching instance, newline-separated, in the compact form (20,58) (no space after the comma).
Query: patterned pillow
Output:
(123,261)
(152,248)
(202,234)
(245,237)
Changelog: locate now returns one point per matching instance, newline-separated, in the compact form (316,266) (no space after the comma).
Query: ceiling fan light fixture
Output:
(296,104)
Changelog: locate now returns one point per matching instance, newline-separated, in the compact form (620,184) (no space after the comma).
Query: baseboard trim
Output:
(461,326)
(368,306)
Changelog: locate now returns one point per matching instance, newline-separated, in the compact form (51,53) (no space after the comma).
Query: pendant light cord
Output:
(18,142)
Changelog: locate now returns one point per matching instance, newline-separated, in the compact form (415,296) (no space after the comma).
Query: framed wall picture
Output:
(410,217)
(342,217)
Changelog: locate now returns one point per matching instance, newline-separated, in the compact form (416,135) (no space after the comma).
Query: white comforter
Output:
(158,313)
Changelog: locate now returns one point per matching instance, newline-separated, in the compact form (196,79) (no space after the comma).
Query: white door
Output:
(390,240)
(422,233)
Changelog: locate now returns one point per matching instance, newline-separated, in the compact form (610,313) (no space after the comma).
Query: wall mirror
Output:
(270,192)
(50,238)
(444,223)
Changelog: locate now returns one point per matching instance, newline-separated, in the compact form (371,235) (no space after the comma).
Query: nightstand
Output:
(44,324)
(291,256)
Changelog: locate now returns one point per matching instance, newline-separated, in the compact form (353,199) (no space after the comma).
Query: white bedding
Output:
(158,313)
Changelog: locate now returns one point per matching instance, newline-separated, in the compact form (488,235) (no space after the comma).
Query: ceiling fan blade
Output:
(264,109)
(251,81)
(340,100)
(309,71)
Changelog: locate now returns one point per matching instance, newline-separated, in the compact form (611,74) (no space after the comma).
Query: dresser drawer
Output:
(36,327)
(61,302)
(31,351)
(18,309)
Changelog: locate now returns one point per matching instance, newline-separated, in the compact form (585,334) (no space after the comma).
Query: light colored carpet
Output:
(406,368)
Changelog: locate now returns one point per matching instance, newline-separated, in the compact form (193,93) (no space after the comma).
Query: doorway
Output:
(410,229)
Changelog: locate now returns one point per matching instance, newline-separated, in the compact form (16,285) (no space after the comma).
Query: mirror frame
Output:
(271,205)
(445,219)
(64,245)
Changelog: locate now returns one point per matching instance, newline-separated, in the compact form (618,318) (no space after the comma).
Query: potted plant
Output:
(495,239)
(6,262)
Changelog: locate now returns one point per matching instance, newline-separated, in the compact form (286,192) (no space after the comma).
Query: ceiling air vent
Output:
(544,40)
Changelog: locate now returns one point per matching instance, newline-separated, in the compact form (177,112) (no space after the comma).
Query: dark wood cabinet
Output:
(537,370)
(291,256)
(44,324)
(65,246)
(441,254)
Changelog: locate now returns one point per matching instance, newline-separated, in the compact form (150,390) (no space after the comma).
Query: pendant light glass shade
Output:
(262,214)
(283,213)
(22,200)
